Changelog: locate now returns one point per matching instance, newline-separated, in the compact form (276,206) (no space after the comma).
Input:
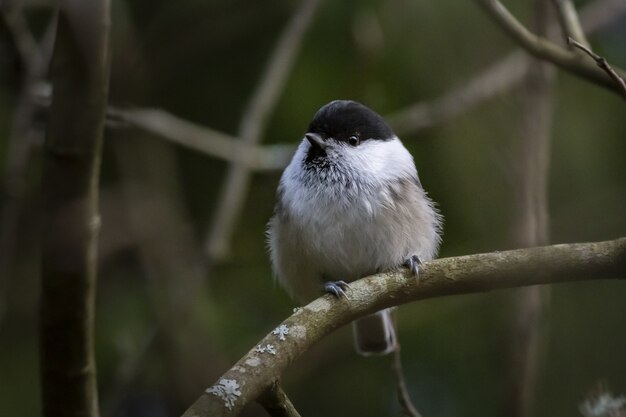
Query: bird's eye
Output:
(353,140)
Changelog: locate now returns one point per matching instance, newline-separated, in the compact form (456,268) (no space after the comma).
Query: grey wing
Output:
(292,266)
(419,219)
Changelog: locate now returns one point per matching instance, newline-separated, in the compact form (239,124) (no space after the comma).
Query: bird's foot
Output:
(413,263)
(336,288)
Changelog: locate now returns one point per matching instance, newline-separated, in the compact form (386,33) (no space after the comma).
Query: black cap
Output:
(341,119)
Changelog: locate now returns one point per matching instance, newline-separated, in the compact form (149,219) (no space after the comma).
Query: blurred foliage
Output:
(201,60)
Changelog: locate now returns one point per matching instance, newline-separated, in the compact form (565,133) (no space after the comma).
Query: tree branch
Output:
(570,23)
(602,63)
(256,370)
(544,49)
(496,79)
(404,398)
(80,75)
(203,139)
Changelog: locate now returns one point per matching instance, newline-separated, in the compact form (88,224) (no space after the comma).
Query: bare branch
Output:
(403,393)
(544,49)
(279,67)
(204,139)
(495,79)
(252,124)
(570,23)
(256,370)
(602,63)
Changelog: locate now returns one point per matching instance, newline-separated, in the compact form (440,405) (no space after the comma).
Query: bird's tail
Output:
(375,334)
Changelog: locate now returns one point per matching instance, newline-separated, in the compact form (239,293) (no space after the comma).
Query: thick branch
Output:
(80,73)
(245,381)
(544,49)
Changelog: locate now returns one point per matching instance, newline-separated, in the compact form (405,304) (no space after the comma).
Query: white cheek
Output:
(295,194)
(383,160)
(373,164)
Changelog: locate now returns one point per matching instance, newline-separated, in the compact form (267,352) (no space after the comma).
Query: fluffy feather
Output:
(364,212)
(350,204)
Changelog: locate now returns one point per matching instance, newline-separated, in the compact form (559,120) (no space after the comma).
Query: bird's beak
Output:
(316,141)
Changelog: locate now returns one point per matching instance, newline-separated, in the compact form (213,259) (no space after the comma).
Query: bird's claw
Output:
(336,288)
(413,263)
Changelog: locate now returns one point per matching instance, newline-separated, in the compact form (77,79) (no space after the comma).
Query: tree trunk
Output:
(71,166)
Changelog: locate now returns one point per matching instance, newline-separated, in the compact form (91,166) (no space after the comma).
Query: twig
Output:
(495,79)
(253,122)
(203,139)
(544,49)
(570,23)
(256,370)
(276,402)
(190,135)
(404,398)
(602,63)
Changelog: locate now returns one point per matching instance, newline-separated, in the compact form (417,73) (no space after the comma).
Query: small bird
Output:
(350,204)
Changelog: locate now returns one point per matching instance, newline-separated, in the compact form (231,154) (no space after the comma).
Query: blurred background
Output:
(185,286)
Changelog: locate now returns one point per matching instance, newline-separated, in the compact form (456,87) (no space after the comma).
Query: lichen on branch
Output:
(256,370)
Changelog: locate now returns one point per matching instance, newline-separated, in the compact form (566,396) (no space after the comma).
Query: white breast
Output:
(364,215)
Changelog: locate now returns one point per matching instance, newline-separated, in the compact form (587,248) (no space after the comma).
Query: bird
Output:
(348,205)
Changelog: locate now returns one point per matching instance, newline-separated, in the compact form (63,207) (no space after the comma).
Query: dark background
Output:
(169,322)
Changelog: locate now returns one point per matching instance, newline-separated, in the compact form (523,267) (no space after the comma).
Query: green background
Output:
(201,60)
